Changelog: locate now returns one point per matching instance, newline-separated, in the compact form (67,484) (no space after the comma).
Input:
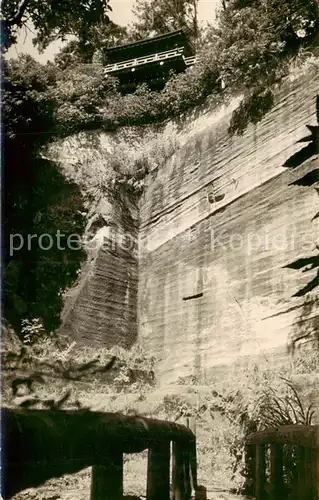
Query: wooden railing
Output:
(139,61)
(41,444)
(269,482)
(189,61)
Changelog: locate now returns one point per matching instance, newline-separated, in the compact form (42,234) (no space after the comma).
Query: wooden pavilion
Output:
(149,60)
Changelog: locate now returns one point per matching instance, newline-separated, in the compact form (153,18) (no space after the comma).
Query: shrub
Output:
(32,330)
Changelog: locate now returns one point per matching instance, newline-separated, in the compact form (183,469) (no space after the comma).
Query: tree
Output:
(37,199)
(80,92)
(156,17)
(255,41)
(53,19)
(293,22)
(70,55)
(104,35)
(100,37)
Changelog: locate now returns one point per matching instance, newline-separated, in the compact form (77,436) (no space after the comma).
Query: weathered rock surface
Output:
(217,226)
(101,308)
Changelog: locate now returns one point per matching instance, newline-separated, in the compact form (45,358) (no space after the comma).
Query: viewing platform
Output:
(150,60)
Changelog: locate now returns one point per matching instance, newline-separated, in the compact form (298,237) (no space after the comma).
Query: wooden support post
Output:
(107,480)
(158,472)
(191,424)
(178,472)
(299,489)
(183,479)
(250,469)
(315,475)
(187,473)
(260,472)
(191,469)
(311,474)
(193,465)
(276,472)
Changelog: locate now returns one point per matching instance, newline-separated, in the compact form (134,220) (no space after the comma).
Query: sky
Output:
(121,14)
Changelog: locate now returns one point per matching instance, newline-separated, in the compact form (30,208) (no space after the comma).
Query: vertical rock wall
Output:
(217,226)
(101,308)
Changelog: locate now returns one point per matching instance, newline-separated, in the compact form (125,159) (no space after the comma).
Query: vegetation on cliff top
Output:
(37,202)
(249,50)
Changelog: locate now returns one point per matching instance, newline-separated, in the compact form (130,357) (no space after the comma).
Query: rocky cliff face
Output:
(217,226)
(101,308)
(217,223)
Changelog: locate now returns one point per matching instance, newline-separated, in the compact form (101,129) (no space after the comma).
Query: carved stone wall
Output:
(217,226)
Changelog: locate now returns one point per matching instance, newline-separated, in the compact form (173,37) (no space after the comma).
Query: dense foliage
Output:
(53,20)
(79,93)
(226,408)
(249,51)
(100,37)
(37,201)
(256,41)
(156,17)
